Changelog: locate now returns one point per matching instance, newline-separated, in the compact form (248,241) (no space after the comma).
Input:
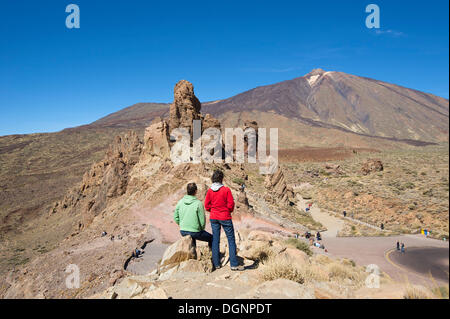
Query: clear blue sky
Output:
(126,52)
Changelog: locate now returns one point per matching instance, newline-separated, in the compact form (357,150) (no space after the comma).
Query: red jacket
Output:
(219,203)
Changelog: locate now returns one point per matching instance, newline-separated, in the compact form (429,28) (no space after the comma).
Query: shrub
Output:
(340,271)
(441,292)
(281,268)
(262,254)
(300,245)
(412,292)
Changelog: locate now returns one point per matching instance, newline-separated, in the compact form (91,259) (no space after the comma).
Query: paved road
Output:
(427,255)
(423,261)
(423,255)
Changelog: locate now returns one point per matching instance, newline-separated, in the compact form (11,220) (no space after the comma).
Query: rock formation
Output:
(332,169)
(156,139)
(185,107)
(106,179)
(277,189)
(209,121)
(372,165)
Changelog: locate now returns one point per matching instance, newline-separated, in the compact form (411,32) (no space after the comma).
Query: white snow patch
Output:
(313,79)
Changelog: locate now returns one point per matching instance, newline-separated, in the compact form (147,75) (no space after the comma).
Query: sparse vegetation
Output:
(300,245)
(276,268)
(399,191)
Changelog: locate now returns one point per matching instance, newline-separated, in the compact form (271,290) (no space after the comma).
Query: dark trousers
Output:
(202,236)
(227,226)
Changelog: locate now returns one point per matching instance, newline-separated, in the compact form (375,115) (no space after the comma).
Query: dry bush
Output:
(441,292)
(300,245)
(204,253)
(322,259)
(414,292)
(263,253)
(314,272)
(276,268)
(338,272)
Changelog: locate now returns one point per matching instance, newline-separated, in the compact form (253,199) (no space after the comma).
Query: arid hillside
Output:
(321,110)
(346,102)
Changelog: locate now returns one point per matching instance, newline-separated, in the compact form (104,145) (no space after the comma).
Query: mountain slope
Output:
(347,102)
(320,99)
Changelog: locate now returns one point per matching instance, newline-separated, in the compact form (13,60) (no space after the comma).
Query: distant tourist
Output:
(190,215)
(382,226)
(219,201)
(403,248)
(345,213)
(136,253)
(318,237)
(398,245)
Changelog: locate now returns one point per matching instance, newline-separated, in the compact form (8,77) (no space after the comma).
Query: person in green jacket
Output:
(190,216)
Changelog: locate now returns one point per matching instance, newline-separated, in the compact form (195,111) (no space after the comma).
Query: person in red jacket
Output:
(220,203)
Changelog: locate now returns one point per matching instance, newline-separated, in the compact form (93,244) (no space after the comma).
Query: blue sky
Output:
(127,52)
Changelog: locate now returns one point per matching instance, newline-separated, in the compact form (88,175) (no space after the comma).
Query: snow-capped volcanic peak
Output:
(314,76)
(313,79)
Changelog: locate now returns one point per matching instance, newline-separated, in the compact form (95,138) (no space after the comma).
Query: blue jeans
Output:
(202,236)
(229,231)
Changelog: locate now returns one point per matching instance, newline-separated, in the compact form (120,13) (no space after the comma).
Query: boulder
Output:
(372,165)
(252,249)
(128,288)
(203,266)
(294,256)
(259,235)
(182,250)
(153,293)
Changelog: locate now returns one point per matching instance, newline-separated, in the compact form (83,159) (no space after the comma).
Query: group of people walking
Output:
(190,216)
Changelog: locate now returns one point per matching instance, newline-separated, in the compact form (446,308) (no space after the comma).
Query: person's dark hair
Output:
(191,189)
(217,176)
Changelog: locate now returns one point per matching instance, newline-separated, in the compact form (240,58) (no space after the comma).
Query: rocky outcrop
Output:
(156,139)
(106,179)
(372,165)
(242,204)
(185,107)
(208,121)
(333,169)
(277,191)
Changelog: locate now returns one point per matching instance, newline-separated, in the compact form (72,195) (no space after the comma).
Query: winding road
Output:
(426,261)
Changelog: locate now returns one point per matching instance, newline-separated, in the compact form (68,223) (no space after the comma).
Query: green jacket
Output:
(189,214)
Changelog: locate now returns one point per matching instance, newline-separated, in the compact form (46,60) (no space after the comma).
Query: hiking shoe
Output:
(238,268)
(217,267)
